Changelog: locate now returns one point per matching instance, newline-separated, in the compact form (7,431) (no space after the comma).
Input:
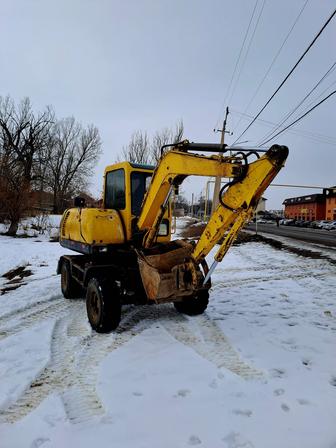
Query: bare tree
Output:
(23,134)
(22,137)
(71,155)
(164,137)
(141,150)
(138,149)
(14,195)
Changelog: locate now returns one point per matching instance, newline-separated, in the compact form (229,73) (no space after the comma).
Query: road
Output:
(316,236)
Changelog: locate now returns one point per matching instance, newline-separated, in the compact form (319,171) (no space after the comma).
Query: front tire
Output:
(70,288)
(196,305)
(103,305)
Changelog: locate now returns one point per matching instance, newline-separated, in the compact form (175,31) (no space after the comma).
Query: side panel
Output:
(92,226)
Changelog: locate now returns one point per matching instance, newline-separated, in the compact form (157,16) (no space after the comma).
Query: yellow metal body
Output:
(81,227)
(92,226)
(173,167)
(241,199)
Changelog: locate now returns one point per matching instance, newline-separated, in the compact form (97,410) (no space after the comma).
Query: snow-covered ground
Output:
(258,369)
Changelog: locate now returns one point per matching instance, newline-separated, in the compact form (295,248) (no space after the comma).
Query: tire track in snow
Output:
(56,375)
(203,335)
(28,316)
(72,370)
(76,353)
(262,279)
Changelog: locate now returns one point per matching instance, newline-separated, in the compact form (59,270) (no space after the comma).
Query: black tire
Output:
(70,288)
(194,306)
(103,305)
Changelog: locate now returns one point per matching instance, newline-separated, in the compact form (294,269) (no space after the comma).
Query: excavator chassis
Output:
(164,273)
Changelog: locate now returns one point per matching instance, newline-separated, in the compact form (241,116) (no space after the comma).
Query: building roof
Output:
(305,199)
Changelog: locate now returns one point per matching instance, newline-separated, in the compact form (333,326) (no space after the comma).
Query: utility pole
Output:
(223,131)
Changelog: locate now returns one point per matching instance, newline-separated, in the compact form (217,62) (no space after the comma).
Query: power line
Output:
(300,118)
(289,74)
(274,60)
(313,136)
(247,51)
(237,61)
(278,126)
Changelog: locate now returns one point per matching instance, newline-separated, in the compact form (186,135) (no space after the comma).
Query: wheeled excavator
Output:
(125,250)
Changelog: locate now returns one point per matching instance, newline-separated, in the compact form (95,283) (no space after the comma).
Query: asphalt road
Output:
(317,236)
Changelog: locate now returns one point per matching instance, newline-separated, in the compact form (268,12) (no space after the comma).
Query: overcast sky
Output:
(129,65)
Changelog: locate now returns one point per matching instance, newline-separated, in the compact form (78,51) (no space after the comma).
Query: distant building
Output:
(261,207)
(308,208)
(331,203)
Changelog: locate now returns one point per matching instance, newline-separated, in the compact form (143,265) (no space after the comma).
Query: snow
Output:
(258,369)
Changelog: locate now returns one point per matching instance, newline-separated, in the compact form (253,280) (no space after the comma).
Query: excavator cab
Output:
(94,230)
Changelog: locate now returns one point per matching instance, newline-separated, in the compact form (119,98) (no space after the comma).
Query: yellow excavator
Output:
(125,247)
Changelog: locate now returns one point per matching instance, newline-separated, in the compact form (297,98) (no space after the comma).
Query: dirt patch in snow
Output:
(15,277)
(20,272)
(195,230)
(245,237)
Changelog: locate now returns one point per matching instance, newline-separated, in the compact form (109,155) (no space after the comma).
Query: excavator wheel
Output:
(103,305)
(194,306)
(70,288)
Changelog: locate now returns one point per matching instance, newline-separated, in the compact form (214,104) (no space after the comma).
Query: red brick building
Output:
(331,203)
(308,208)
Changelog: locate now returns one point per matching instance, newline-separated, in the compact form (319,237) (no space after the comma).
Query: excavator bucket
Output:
(165,271)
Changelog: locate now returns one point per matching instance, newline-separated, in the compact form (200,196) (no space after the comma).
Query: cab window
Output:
(115,190)
(139,184)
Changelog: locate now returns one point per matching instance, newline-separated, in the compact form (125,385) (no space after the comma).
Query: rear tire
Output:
(194,306)
(70,288)
(103,305)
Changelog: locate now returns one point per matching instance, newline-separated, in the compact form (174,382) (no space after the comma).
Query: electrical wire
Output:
(301,117)
(237,61)
(247,52)
(289,74)
(313,136)
(278,126)
(273,61)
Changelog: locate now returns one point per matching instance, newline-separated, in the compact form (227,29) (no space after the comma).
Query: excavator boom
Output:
(174,269)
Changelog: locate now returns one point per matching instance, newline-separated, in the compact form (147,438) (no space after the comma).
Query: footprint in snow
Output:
(303,401)
(285,407)
(292,324)
(236,440)
(39,442)
(213,384)
(243,412)
(182,393)
(194,440)
(278,373)
(333,381)
(278,392)
(307,362)
(137,394)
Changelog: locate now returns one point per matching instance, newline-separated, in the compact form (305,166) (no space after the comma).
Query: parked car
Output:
(299,223)
(322,223)
(314,224)
(306,223)
(330,226)
(288,222)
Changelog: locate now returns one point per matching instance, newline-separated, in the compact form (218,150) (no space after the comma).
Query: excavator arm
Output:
(175,268)
(172,169)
